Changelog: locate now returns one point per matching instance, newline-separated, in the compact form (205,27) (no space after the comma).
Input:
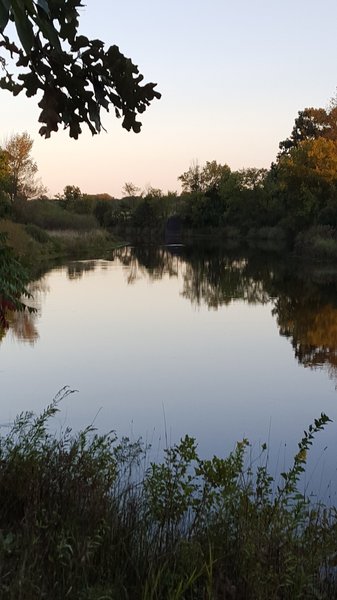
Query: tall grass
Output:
(79,518)
(79,244)
(48,214)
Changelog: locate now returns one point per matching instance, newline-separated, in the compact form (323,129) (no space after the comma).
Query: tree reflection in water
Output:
(22,325)
(311,325)
(303,299)
(76,270)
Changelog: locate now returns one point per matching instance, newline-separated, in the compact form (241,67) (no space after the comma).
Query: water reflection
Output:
(311,325)
(76,270)
(23,325)
(303,300)
(150,261)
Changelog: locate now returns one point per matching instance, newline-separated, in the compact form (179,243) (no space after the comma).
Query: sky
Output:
(233,76)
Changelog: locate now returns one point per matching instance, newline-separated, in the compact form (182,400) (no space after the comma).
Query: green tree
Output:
(130,190)
(76,76)
(213,175)
(22,168)
(252,178)
(191,179)
(154,193)
(72,193)
(145,214)
(204,179)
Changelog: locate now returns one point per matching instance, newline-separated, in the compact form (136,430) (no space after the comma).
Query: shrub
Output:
(48,214)
(38,234)
(319,243)
(268,233)
(78,520)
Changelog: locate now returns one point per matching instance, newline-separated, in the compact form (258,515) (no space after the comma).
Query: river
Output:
(163,341)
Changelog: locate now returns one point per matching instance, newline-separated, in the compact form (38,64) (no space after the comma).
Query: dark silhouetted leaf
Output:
(86,77)
(44,5)
(23,26)
(4,16)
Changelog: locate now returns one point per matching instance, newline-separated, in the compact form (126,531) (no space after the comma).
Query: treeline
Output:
(299,190)
(297,193)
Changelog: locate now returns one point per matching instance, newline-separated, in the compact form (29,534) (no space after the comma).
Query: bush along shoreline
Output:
(33,245)
(48,228)
(82,516)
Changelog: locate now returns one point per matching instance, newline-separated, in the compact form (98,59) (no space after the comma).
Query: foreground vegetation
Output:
(82,516)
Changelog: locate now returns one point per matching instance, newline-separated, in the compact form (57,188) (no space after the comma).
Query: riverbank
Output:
(44,230)
(33,245)
(85,516)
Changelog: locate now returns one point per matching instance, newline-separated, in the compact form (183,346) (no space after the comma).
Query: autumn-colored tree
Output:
(305,174)
(311,162)
(312,328)
(22,168)
(311,124)
(5,204)
(4,173)
(4,167)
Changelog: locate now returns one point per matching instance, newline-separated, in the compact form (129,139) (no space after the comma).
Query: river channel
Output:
(164,341)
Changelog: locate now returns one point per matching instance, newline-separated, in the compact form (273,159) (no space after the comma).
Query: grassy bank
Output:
(81,516)
(32,244)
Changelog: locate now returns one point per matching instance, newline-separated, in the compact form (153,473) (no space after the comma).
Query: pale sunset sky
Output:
(233,75)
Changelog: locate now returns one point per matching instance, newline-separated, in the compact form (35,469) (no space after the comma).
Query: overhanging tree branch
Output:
(76,76)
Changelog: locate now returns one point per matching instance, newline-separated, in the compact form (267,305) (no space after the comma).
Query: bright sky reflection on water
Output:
(148,360)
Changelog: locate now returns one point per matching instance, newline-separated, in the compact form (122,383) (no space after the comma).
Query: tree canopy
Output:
(76,76)
(21,180)
(310,124)
(203,179)
(311,161)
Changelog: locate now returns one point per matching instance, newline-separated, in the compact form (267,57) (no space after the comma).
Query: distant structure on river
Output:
(173,230)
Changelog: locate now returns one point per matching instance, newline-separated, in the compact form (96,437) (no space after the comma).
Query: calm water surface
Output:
(166,341)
